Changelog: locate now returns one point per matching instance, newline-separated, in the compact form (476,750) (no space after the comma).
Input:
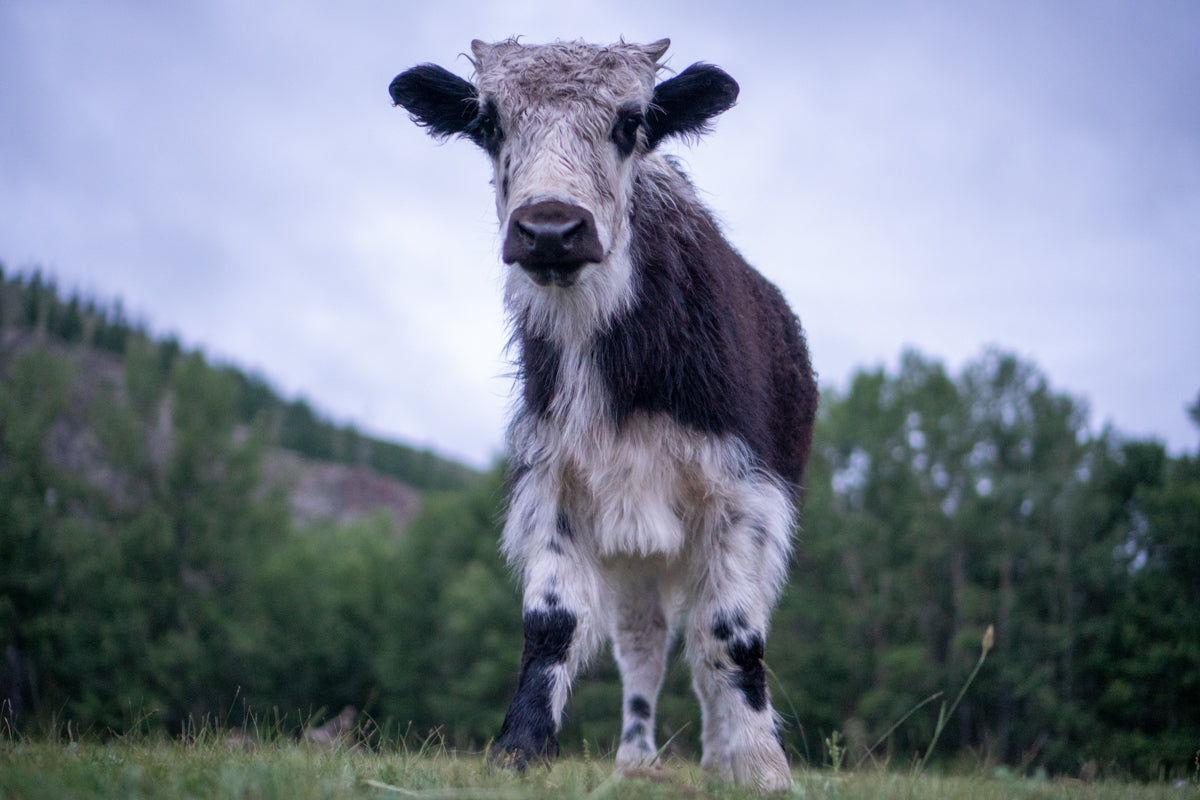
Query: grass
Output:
(209,767)
(215,764)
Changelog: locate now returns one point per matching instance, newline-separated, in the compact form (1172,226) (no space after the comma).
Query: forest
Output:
(150,580)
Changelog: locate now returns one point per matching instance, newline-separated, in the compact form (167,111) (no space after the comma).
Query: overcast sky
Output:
(945,176)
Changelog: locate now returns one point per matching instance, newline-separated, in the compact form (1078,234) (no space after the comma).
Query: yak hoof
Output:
(516,750)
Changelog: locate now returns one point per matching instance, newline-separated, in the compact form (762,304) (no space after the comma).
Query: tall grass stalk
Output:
(989,637)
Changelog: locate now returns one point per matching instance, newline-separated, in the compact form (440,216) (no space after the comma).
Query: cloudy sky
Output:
(945,176)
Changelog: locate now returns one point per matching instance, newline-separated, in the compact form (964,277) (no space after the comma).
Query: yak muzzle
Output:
(552,241)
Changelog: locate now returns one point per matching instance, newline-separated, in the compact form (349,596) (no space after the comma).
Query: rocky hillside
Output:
(328,473)
(325,491)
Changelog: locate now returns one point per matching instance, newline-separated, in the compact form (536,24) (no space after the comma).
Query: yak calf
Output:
(667,394)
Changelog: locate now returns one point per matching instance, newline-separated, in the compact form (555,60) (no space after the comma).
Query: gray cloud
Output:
(924,174)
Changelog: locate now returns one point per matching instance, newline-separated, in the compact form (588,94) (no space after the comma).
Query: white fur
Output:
(557,146)
(666,523)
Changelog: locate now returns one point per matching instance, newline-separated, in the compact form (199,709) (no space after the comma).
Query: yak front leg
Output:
(530,729)
(736,587)
(559,615)
(740,736)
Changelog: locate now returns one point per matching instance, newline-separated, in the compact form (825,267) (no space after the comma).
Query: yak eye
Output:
(487,128)
(625,132)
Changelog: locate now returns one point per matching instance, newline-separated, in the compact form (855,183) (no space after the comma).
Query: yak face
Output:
(567,127)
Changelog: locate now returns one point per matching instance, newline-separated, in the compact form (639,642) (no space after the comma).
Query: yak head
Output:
(569,127)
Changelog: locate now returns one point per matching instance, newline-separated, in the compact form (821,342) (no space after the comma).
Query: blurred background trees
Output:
(938,505)
(150,577)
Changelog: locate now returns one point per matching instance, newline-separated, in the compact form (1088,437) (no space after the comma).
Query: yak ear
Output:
(437,100)
(684,105)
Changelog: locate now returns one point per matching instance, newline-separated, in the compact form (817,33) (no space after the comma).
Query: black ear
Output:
(683,105)
(436,99)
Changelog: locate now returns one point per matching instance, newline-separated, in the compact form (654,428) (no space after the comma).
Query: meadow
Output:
(214,766)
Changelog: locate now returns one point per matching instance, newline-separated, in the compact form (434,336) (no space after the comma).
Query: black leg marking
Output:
(637,734)
(528,732)
(751,677)
(639,707)
(727,624)
(634,732)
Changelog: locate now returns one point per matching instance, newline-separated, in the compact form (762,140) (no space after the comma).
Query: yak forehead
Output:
(586,82)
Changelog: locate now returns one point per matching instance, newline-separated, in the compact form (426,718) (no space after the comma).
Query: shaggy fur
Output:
(667,395)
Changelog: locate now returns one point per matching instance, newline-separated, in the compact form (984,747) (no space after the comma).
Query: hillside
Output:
(330,472)
(176,538)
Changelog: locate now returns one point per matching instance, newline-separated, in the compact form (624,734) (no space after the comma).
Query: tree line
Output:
(148,580)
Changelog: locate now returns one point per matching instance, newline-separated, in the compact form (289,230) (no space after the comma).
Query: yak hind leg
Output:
(641,638)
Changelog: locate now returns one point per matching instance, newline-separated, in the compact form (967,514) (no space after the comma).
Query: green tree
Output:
(1144,640)
(456,611)
(313,620)
(131,516)
(935,507)
(36,391)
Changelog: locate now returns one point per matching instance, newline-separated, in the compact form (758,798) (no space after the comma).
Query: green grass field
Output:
(213,768)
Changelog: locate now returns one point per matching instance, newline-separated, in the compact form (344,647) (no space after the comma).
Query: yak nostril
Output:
(547,236)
